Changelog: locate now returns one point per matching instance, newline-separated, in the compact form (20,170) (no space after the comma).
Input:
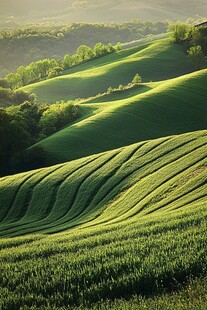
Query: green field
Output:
(150,111)
(107,187)
(136,218)
(119,221)
(154,61)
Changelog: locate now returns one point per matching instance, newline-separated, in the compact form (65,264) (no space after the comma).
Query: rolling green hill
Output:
(154,61)
(152,176)
(121,224)
(137,225)
(150,111)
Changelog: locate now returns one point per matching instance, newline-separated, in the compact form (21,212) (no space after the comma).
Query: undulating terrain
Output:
(155,61)
(99,11)
(134,181)
(118,219)
(137,219)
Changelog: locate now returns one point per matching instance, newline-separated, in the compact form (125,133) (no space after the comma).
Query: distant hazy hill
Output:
(97,10)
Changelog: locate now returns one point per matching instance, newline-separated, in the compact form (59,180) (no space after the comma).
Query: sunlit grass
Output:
(154,61)
(146,112)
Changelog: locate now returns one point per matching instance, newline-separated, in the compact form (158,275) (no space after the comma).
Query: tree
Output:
(100,49)
(13,136)
(196,56)
(110,48)
(195,37)
(55,72)
(4,83)
(109,90)
(67,61)
(13,80)
(117,47)
(85,52)
(137,79)
(57,116)
(179,32)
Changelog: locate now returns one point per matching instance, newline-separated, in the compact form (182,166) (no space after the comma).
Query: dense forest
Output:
(24,45)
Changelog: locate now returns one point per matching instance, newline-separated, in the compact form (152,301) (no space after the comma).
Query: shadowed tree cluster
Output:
(194,40)
(23,125)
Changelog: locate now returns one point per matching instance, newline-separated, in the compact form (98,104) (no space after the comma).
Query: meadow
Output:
(154,61)
(161,174)
(137,224)
(119,222)
(149,111)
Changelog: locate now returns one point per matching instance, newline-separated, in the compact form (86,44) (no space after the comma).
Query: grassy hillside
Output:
(154,110)
(137,218)
(156,175)
(54,40)
(154,61)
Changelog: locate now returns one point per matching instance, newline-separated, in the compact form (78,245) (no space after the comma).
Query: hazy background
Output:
(100,11)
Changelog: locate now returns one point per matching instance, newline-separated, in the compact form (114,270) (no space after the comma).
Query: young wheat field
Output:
(120,224)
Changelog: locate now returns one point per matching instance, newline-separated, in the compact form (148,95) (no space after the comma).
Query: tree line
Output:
(23,45)
(48,68)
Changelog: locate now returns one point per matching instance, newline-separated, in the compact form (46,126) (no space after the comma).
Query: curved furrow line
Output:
(65,215)
(83,178)
(101,191)
(139,176)
(140,209)
(15,195)
(197,195)
(73,224)
(58,183)
(148,149)
(126,176)
(135,185)
(107,189)
(181,197)
(91,201)
(22,208)
(195,200)
(53,197)
(181,191)
(74,198)
(103,181)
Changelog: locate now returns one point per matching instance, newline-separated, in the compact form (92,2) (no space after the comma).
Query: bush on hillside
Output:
(179,32)
(196,56)
(190,36)
(57,116)
(137,79)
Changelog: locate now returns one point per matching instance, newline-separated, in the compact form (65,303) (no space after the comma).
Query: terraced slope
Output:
(150,111)
(150,177)
(154,61)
